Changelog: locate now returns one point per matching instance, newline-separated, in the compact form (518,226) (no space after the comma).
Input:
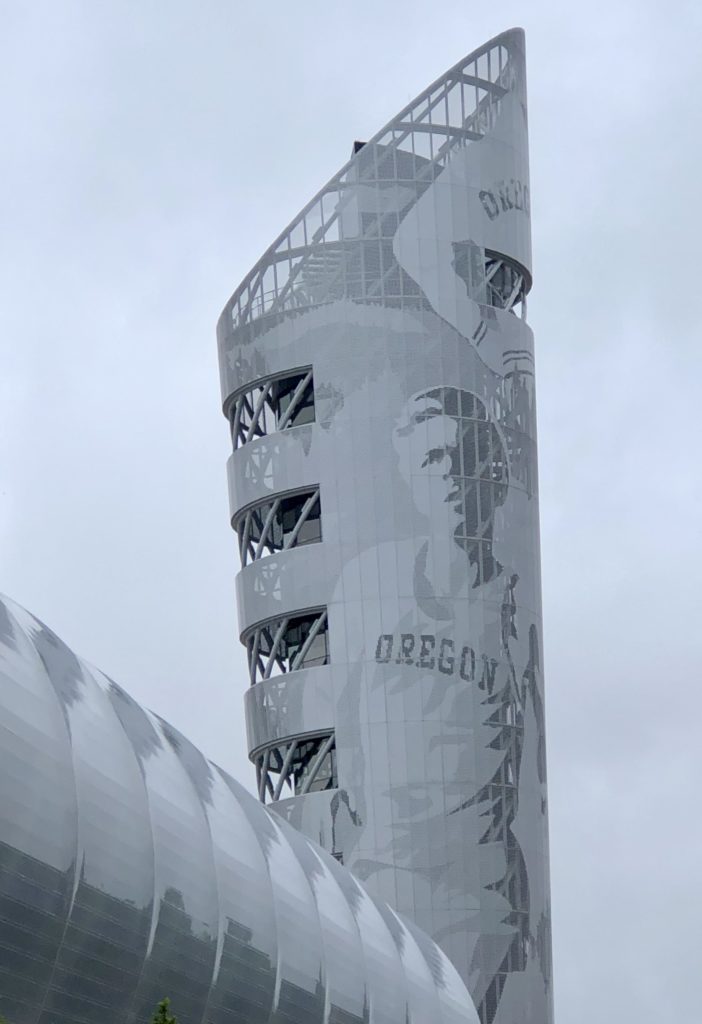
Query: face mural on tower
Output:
(378,375)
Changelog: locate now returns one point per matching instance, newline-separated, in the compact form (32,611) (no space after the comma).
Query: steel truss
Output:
(298,765)
(287,644)
(273,404)
(414,148)
(287,521)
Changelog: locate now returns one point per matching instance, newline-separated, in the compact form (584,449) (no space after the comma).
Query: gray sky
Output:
(150,153)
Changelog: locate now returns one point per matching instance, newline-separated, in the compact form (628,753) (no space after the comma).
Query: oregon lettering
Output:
(504,196)
(425,651)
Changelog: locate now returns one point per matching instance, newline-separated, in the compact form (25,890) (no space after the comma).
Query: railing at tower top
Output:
(413,148)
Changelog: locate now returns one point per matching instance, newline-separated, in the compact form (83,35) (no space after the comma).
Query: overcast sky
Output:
(150,152)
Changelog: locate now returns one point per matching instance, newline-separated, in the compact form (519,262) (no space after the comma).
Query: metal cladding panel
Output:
(282,583)
(402,286)
(289,705)
(261,468)
(131,868)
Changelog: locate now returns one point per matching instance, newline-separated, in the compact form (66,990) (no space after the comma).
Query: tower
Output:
(378,377)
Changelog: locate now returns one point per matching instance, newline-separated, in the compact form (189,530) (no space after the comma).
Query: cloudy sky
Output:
(150,152)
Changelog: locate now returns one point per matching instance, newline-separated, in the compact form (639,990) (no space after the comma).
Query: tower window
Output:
(287,644)
(296,766)
(491,278)
(288,521)
(272,405)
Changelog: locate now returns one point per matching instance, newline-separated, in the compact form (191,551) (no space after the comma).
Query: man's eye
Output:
(435,455)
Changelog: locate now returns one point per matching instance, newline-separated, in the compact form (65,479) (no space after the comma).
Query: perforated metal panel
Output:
(400,292)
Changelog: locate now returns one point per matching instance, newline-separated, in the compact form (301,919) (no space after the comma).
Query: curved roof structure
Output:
(132,868)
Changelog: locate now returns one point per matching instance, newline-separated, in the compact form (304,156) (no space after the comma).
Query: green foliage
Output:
(162,1014)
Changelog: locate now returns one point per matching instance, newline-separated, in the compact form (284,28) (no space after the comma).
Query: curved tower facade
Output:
(378,377)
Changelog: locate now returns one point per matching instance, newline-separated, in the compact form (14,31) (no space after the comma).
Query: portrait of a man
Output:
(450,452)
